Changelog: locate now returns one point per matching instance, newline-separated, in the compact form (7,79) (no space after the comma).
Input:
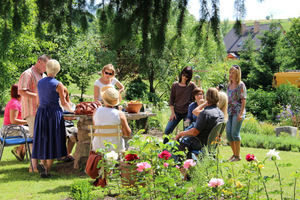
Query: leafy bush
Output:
(136,89)
(262,104)
(271,142)
(81,190)
(250,125)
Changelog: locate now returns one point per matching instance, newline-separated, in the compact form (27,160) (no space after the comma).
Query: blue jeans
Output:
(172,124)
(233,128)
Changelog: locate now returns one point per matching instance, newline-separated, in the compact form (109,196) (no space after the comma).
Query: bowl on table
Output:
(133,107)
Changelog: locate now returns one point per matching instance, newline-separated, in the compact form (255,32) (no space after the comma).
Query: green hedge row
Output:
(284,143)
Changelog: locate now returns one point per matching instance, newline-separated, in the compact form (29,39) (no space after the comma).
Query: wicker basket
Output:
(134,107)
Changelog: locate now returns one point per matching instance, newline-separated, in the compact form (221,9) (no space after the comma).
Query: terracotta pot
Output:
(134,107)
(129,175)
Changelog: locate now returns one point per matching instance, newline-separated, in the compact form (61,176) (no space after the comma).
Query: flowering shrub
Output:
(216,182)
(285,117)
(143,166)
(165,155)
(155,175)
(131,157)
(250,157)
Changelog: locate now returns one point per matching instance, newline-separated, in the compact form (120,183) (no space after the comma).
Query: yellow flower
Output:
(238,185)
(260,166)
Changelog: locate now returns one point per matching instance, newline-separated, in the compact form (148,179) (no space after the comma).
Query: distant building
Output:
(235,43)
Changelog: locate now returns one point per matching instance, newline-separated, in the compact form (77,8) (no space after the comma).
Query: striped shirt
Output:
(28,81)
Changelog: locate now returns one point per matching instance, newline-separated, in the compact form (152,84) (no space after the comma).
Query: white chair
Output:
(95,131)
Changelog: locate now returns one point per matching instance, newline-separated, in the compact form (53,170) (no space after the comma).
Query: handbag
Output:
(86,108)
(92,170)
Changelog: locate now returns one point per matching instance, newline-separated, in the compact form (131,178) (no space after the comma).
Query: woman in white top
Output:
(107,79)
(108,115)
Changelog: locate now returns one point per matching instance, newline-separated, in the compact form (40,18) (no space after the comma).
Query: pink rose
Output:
(165,155)
(189,163)
(142,166)
(177,167)
(250,157)
(166,164)
(216,182)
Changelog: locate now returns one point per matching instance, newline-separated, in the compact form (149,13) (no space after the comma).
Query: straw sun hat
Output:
(110,95)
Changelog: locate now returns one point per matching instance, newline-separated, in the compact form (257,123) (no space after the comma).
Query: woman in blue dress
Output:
(49,128)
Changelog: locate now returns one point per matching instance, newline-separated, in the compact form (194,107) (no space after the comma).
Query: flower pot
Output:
(129,174)
(133,107)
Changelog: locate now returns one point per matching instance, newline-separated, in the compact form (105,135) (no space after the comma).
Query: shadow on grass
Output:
(57,190)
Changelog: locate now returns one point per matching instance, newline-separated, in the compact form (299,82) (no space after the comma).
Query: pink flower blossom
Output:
(165,155)
(189,163)
(177,167)
(250,157)
(143,165)
(216,182)
(166,164)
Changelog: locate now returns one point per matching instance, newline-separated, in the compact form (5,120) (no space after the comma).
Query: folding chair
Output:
(212,140)
(7,140)
(94,132)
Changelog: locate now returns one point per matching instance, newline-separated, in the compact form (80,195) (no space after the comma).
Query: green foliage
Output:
(81,190)
(293,38)
(271,142)
(136,89)
(262,104)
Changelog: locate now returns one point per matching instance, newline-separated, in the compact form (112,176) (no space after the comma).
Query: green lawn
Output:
(18,183)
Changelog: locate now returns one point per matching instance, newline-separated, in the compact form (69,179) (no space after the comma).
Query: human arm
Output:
(13,117)
(242,96)
(125,127)
(120,86)
(192,132)
(27,94)
(61,92)
(96,93)
(240,115)
(199,108)
(173,115)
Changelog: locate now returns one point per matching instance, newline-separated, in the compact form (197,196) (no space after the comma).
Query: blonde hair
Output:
(238,73)
(223,104)
(52,67)
(212,96)
(109,67)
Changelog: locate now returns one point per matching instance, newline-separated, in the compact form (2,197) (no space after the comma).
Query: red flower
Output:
(250,157)
(131,157)
(165,155)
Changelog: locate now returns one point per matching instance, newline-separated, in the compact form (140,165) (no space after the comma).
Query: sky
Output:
(280,9)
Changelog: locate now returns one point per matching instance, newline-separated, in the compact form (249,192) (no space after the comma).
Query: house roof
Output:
(235,43)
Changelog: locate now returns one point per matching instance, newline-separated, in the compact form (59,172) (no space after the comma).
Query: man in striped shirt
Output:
(28,90)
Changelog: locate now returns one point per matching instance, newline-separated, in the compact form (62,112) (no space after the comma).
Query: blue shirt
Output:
(190,114)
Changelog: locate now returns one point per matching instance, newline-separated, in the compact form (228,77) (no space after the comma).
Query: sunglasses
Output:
(108,73)
(185,75)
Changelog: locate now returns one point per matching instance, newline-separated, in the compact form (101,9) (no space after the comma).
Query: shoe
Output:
(42,171)
(236,158)
(14,151)
(66,159)
(230,159)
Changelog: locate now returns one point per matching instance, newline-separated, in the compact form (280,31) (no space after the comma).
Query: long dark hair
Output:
(189,71)
(14,91)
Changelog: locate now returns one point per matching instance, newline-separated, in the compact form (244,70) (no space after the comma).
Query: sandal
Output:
(231,158)
(42,171)
(14,151)
(236,158)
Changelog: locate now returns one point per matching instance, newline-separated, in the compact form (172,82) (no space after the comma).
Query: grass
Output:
(18,183)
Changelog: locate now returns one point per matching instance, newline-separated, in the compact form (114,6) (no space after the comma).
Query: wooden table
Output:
(82,149)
